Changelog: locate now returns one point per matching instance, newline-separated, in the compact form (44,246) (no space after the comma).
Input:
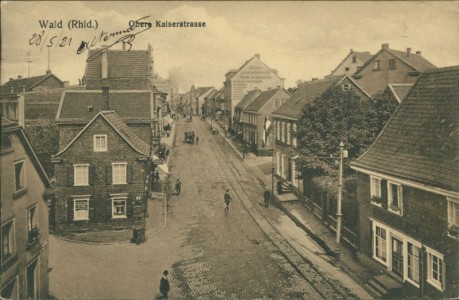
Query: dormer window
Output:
(100,143)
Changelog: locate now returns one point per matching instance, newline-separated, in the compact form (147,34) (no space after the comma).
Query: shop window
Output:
(119,207)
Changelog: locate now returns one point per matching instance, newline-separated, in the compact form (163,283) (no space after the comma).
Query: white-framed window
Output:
(380,244)
(294,135)
(413,256)
(8,240)
(80,209)
(284,125)
(395,198)
(376,65)
(453,217)
(288,133)
(119,171)
(32,218)
(119,208)
(19,175)
(375,187)
(278,163)
(100,143)
(81,174)
(346,87)
(435,269)
(278,129)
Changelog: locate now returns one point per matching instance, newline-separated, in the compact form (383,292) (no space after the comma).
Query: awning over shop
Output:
(161,166)
(168,120)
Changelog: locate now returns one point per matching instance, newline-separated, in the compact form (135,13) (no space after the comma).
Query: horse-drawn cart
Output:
(189,137)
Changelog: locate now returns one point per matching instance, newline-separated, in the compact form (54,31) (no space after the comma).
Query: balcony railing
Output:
(33,236)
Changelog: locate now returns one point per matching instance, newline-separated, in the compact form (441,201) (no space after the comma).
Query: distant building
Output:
(256,119)
(390,66)
(239,108)
(102,177)
(201,94)
(351,63)
(119,69)
(25,193)
(49,81)
(408,190)
(77,108)
(285,124)
(252,74)
(209,104)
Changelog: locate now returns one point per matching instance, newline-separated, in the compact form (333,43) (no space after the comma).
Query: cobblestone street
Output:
(208,254)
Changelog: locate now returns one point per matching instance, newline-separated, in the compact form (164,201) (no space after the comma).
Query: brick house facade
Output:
(390,66)
(102,177)
(408,189)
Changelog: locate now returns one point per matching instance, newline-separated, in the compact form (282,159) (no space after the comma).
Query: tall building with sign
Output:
(251,75)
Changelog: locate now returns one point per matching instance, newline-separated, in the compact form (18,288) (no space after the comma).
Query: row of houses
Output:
(97,141)
(407,196)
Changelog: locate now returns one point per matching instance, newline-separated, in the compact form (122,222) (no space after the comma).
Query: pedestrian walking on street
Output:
(267,196)
(156,175)
(197,140)
(227,199)
(164,285)
(178,186)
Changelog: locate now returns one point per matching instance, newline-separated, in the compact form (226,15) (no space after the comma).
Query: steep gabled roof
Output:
(117,123)
(27,83)
(82,106)
(261,100)
(416,61)
(202,90)
(399,90)
(121,64)
(363,56)
(9,127)
(248,98)
(212,94)
(420,141)
(305,94)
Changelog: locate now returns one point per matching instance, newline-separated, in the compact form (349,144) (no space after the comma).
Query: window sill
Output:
(384,263)
(395,212)
(81,185)
(119,217)
(376,69)
(435,284)
(81,219)
(376,204)
(20,193)
(119,183)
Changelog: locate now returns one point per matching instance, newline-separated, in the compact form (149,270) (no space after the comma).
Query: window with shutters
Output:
(119,208)
(119,173)
(80,209)
(100,143)
(81,174)
(395,198)
(8,240)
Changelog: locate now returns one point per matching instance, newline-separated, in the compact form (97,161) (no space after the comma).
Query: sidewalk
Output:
(306,220)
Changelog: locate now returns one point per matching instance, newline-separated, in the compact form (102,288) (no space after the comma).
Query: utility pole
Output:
(340,193)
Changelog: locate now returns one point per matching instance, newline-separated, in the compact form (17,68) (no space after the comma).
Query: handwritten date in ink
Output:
(49,40)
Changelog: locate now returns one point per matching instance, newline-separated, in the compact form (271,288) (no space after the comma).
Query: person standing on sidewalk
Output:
(178,186)
(197,140)
(164,285)
(267,196)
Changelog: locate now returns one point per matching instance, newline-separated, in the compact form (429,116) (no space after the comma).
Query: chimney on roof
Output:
(385,46)
(19,76)
(104,62)
(315,79)
(105,98)
(418,52)
(408,51)
(257,55)
(351,50)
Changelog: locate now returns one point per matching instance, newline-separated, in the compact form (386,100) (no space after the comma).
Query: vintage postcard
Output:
(229,150)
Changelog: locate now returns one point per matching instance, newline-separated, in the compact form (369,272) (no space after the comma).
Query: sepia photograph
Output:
(229,150)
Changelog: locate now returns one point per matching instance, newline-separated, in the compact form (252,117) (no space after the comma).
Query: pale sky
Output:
(301,40)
